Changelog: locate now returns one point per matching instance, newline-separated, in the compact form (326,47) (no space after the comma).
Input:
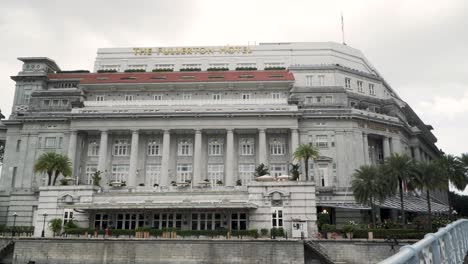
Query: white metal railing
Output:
(449,245)
(191,102)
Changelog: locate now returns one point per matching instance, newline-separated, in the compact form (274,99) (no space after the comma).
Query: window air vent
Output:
(245,76)
(159,77)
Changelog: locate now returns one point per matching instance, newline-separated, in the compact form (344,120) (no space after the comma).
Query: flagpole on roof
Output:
(342,29)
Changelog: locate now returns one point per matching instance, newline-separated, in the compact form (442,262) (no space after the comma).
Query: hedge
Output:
(18,229)
(190,69)
(246,68)
(274,68)
(106,71)
(277,232)
(390,233)
(163,70)
(135,70)
(218,69)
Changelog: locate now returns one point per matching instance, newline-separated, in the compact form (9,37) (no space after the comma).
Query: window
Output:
(153,173)
(158,97)
(46,102)
(276,95)
(13,177)
(154,147)
(185,147)
(27,96)
(318,100)
(328,99)
(218,65)
(215,146)
(110,67)
(246,146)
(246,173)
(137,67)
(186,96)
(119,172)
(246,65)
(50,142)
(130,221)
(323,174)
(18,145)
(101,221)
(67,216)
(60,142)
(128,97)
(359,86)
(121,147)
(278,169)
(216,96)
(191,66)
(100,98)
(167,220)
(371,89)
(309,79)
(321,79)
(164,66)
(215,173)
(93,147)
(273,64)
(206,221)
(347,83)
(184,172)
(277,217)
(64,102)
(238,221)
(90,170)
(321,141)
(277,146)
(245,96)
(55,102)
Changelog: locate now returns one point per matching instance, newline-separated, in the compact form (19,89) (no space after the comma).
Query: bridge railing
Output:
(449,245)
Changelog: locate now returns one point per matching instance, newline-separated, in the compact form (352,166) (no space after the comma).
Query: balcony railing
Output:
(191,102)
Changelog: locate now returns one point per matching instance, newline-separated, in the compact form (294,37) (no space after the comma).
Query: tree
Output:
(295,171)
(368,186)
(454,171)
(97,178)
(51,163)
(428,177)
(398,168)
(55,225)
(261,170)
(306,152)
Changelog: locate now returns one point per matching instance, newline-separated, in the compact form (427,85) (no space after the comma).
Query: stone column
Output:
(72,149)
(197,152)
(166,149)
(386,147)
(294,142)
(229,159)
(365,143)
(103,151)
(396,145)
(132,172)
(262,147)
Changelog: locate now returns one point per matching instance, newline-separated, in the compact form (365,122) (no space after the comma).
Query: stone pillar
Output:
(197,158)
(386,147)
(132,171)
(166,151)
(294,142)
(396,146)
(103,151)
(72,149)
(365,143)
(262,147)
(229,159)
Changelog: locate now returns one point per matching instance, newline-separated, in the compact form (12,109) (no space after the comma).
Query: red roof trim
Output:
(167,77)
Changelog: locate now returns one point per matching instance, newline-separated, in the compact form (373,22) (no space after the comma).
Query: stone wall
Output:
(115,251)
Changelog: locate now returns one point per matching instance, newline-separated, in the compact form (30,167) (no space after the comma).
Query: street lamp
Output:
(14,223)
(43,226)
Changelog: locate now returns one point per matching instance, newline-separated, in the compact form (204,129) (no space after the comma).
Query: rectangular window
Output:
(309,79)
(215,173)
(186,96)
(128,97)
(359,86)
(67,216)
(328,99)
(119,172)
(55,102)
(130,221)
(167,220)
(137,67)
(50,142)
(275,95)
(121,147)
(27,96)
(154,147)
(184,172)
(153,173)
(164,66)
(18,145)
(321,79)
(191,66)
(246,173)
(245,96)
(321,141)
(215,146)
(46,102)
(278,169)
(216,96)
(323,174)
(158,97)
(100,98)
(239,221)
(371,89)
(277,146)
(64,102)
(93,147)
(90,170)
(13,177)
(347,83)
(277,217)
(60,142)
(246,146)
(318,100)
(101,221)
(185,147)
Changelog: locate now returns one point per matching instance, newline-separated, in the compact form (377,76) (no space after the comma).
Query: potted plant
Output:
(349,229)
(67,180)
(239,182)
(295,172)
(96,177)
(328,229)
(219,182)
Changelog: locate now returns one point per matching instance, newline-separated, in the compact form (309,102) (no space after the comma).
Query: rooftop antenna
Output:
(342,28)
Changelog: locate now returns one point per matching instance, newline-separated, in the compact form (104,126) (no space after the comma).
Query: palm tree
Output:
(306,152)
(368,186)
(454,171)
(399,168)
(428,176)
(261,170)
(51,163)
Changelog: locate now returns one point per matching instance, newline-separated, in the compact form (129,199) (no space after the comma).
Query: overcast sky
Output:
(420,47)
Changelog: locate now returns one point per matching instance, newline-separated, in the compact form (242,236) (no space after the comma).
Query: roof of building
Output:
(169,77)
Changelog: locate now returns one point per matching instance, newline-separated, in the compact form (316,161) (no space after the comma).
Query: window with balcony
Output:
(163,66)
(67,216)
(245,96)
(275,95)
(121,147)
(347,82)
(277,146)
(100,98)
(26,96)
(309,80)
(153,173)
(277,217)
(359,86)
(216,96)
(246,146)
(246,173)
(50,142)
(46,103)
(215,173)
(328,99)
(184,172)
(154,147)
(278,169)
(93,147)
(215,146)
(185,147)
(371,89)
(321,141)
(90,170)
(158,97)
(128,97)
(321,79)
(119,172)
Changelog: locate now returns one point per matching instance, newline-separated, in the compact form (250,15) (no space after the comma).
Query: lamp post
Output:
(14,223)
(43,225)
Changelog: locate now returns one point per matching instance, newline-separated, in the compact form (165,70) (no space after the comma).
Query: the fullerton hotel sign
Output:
(193,50)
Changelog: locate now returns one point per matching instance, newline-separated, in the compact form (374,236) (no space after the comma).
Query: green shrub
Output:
(328,228)
(71,224)
(390,233)
(106,71)
(274,68)
(121,232)
(245,233)
(218,69)
(135,70)
(246,68)
(189,69)
(55,225)
(163,70)
(264,231)
(349,228)
(277,232)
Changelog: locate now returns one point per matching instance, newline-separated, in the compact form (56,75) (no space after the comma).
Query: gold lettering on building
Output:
(193,51)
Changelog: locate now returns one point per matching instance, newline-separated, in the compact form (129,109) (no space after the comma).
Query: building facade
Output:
(178,132)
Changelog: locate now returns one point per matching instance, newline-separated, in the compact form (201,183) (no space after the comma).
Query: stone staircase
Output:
(319,251)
